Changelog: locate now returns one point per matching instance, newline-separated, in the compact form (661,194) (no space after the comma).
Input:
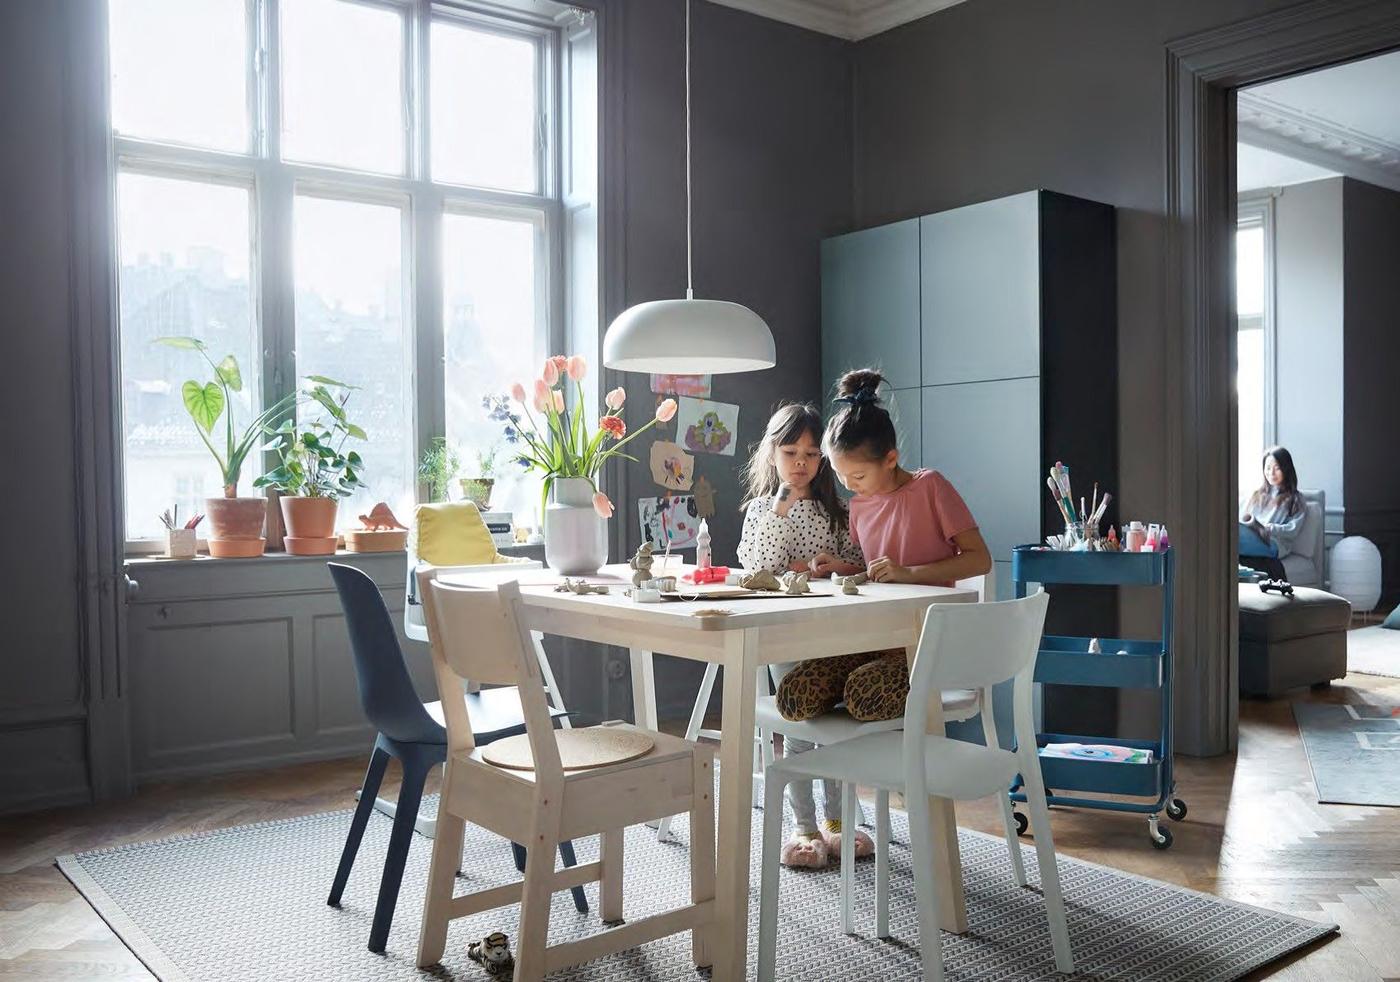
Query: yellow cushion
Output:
(452,534)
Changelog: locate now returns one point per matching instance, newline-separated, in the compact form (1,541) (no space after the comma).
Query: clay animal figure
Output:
(848,587)
(581,587)
(380,519)
(759,580)
(795,584)
(493,954)
(641,564)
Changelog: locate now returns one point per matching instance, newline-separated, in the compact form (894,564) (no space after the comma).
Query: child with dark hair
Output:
(910,527)
(793,513)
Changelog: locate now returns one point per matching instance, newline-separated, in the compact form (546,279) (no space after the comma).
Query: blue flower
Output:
(524,462)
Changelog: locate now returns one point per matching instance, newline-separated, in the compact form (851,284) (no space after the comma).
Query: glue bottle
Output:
(702,546)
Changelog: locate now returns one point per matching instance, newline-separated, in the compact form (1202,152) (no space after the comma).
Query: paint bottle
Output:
(702,546)
(1136,536)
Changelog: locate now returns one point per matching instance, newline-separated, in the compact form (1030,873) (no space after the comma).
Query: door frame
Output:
(1202,73)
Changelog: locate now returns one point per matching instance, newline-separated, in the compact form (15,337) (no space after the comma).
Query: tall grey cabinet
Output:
(996,326)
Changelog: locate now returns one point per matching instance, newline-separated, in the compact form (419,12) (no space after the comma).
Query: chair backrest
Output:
(976,646)
(386,690)
(985,585)
(478,633)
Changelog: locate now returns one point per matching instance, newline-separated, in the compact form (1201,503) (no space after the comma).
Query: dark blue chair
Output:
(411,732)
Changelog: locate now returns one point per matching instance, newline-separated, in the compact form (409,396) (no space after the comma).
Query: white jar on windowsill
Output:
(180,544)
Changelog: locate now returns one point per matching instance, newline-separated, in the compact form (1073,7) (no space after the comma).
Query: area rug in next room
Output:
(248,904)
(1354,750)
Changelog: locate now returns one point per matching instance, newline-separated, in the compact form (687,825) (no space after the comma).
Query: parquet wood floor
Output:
(1255,833)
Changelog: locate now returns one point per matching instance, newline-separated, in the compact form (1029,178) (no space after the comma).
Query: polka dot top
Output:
(777,542)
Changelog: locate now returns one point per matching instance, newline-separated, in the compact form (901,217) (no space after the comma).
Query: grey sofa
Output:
(1306,565)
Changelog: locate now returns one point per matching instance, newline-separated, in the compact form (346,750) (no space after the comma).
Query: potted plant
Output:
(438,468)
(235,524)
(314,470)
(478,489)
(570,455)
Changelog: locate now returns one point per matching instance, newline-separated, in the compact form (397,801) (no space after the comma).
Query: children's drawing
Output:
(671,466)
(669,517)
(682,385)
(703,426)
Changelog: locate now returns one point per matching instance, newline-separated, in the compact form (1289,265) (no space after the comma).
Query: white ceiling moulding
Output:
(849,19)
(1273,126)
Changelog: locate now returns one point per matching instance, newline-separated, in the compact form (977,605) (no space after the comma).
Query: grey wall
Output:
(1371,226)
(42,729)
(1308,313)
(772,177)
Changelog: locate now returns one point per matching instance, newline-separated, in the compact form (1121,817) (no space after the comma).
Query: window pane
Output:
(1250,383)
(1249,270)
(180,71)
(483,108)
(184,253)
(494,335)
(342,85)
(350,326)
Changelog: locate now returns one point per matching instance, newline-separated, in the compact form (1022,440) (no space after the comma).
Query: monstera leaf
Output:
(204,403)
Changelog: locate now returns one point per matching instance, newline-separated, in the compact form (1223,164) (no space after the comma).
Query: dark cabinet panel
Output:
(870,303)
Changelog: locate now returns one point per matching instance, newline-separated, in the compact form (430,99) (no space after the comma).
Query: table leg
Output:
(643,689)
(943,834)
(644,696)
(735,806)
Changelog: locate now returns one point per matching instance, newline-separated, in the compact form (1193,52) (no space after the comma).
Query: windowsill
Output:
(149,559)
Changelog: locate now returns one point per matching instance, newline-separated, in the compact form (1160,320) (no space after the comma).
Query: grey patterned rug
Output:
(1352,750)
(248,904)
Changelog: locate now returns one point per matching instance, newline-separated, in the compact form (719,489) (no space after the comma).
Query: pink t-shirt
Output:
(913,525)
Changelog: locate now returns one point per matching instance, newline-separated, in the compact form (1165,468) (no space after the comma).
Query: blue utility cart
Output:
(1123,664)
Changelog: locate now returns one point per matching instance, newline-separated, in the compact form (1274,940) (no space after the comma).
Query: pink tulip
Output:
(577,367)
(561,362)
(666,411)
(558,401)
(551,372)
(602,505)
(615,399)
(517,392)
(541,391)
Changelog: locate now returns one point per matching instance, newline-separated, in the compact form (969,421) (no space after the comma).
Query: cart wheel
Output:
(1022,823)
(1176,809)
(1162,839)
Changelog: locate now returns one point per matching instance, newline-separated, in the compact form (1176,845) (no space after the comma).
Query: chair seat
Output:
(956,769)
(838,725)
(494,713)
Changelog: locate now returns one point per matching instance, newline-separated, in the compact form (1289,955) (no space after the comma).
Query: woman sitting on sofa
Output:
(1271,517)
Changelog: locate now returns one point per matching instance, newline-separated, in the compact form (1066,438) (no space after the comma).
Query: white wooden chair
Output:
(478,633)
(968,646)
(831,728)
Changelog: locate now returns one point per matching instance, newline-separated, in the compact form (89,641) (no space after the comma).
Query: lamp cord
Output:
(689,271)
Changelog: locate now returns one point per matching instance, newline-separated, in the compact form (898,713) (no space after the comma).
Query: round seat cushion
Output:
(1270,617)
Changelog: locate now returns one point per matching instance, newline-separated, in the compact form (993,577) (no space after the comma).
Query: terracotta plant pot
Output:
(236,526)
(310,525)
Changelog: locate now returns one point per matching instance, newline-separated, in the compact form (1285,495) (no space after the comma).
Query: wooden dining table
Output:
(741,635)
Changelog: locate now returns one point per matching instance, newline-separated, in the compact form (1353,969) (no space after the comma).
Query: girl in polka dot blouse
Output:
(793,516)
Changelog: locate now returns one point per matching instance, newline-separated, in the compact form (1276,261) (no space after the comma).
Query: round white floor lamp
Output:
(1356,572)
(685,337)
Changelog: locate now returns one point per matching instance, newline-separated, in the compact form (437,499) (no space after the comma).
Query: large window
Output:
(1254,378)
(363,189)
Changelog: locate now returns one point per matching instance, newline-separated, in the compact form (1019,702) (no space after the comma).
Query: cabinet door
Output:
(984,437)
(907,410)
(870,303)
(980,274)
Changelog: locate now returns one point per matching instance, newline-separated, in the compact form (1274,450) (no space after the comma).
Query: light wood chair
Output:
(478,633)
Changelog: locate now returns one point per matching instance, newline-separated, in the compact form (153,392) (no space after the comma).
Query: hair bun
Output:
(861,385)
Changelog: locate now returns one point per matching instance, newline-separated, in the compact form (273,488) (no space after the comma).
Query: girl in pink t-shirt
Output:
(911,528)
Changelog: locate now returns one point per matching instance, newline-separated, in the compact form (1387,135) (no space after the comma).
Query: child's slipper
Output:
(832,835)
(805,852)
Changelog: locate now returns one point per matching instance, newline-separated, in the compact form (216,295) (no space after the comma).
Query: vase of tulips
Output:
(554,439)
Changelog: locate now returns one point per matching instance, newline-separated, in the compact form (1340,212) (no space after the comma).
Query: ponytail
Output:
(863,425)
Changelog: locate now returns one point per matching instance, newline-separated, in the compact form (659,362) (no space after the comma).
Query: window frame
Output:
(274,184)
(1257,211)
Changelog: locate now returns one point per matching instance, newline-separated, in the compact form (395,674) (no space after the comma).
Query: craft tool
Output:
(1058,499)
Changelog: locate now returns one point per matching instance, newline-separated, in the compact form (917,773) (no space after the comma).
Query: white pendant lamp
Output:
(679,337)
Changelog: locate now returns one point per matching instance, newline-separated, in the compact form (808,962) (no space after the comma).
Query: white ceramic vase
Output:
(575,536)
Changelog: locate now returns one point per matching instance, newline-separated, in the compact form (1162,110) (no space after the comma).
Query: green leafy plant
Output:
(439,468)
(314,463)
(207,403)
